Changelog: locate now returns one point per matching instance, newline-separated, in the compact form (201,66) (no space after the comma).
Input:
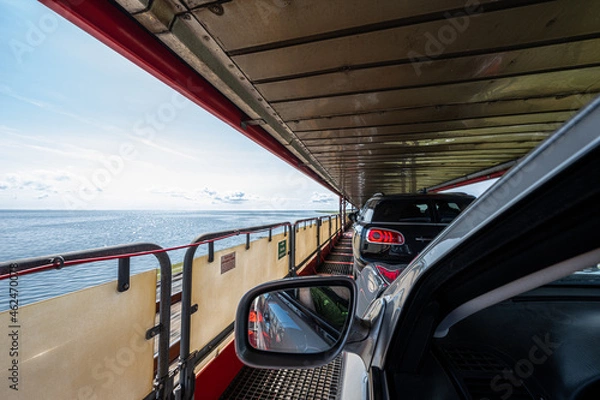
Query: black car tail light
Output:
(384,236)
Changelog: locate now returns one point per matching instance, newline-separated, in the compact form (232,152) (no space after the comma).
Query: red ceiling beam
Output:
(110,25)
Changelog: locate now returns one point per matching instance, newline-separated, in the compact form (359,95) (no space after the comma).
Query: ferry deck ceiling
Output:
(386,96)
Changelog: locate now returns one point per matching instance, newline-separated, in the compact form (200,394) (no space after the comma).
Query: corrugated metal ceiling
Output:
(392,95)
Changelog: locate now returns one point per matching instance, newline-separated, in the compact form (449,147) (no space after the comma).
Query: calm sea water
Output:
(25,234)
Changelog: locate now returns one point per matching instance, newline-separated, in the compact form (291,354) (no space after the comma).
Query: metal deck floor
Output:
(339,261)
(287,384)
(307,384)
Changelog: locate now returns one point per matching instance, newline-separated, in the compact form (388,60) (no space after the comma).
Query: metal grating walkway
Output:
(297,384)
(287,384)
(335,269)
(339,261)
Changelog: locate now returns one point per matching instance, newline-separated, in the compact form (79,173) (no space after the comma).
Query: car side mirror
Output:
(295,323)
(353,216)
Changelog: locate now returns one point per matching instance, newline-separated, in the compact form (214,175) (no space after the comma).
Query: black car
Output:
(390,231)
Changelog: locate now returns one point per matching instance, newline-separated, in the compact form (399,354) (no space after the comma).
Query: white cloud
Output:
(44,181)
(322,198)
(36,185)
(206,194)
(174,192)
(231,198)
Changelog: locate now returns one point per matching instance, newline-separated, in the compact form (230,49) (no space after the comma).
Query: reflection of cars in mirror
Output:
(290,326)
(299,320)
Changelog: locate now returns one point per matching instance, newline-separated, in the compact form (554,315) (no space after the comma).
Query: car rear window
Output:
(402,211)
(449,209)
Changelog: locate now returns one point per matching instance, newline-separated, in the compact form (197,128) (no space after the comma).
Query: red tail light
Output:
(252,338)
(384,236)
(255,316)
(389,276)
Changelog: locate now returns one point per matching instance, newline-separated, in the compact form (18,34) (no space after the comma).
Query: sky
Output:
(81,127)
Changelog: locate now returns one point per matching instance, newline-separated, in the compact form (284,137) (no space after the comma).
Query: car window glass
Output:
(448,210)
(367,211)
(402,211)
(368,215)
(361,213)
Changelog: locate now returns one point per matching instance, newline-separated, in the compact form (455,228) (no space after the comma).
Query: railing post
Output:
(211,252)
(340,214)
(344,205)
(318,241)
(292,260)
(247,241)
(124,273)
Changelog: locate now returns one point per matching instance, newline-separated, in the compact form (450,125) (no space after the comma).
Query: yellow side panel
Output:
(325,231)
(88,344)
(306,242)
(218,295)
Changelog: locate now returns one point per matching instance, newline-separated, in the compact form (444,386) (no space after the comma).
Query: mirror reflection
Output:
(301,320)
